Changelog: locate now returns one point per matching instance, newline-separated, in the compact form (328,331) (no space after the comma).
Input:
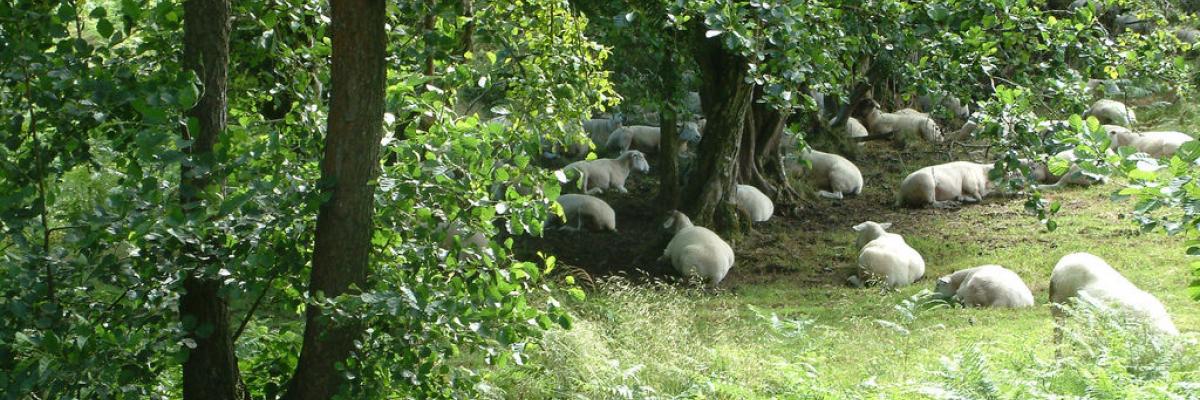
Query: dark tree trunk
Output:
(760,161)
(343,238)
(211,370)
(668,155)
(710,187)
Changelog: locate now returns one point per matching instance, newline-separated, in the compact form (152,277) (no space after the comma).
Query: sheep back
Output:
(754,203)
(697,251)
(1083,274)
(588,212)
(987,286)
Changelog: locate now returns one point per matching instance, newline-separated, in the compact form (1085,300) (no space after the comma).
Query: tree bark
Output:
(760,161)
(343,237)
(668,155)
(211,370)
(710,187)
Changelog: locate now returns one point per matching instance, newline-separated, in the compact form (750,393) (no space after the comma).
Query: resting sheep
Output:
(1073,176)
(754,203)
(1085,275)
(696,251)
(457,231)
(886,257)
(598,129)
(584,211)
(941,185)
(1112,112)
(833,175)
(607,173)
(855,129)
(1156,144)
(906,122)
(647,138)
(986,286)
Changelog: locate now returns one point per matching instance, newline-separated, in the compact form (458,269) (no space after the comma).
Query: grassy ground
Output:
(786,325)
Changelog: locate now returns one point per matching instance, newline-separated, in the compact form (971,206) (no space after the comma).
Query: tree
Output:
(342,252)
(211,370)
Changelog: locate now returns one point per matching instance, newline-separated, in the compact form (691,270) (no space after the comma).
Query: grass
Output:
(786,326)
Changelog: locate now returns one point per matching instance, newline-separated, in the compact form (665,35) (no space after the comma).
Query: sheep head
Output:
(636,160)
(931,131)
(870,230)
(676,221)
(690,133)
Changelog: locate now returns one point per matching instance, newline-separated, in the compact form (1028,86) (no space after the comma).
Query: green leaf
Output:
(104,28)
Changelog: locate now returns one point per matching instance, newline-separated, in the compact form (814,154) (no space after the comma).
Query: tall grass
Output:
(661,341)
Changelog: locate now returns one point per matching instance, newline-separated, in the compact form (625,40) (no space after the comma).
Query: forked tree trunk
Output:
(760,162)
(211,370)
(710,187)
(351,161)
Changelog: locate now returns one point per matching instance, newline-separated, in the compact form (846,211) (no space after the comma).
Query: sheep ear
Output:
(885,225)
(670,221)
(860,227)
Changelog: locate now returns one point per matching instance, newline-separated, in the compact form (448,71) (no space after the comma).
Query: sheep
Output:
(647,138)
(693,103)
(754,203)
(833,175)
(986,286)
(1112,112)
(1156,144)
(606,173)
(696,251)
(1073,176)
(949,102)
(586,211)
(886,256)
(855,129)
(598,129)
(457,230)
(1188,35)
(1087,276)
(942,185)
(906,122)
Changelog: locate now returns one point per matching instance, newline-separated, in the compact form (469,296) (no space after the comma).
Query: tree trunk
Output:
(343,237)
(211,370)
(711,184)
(668,155)
(760,160)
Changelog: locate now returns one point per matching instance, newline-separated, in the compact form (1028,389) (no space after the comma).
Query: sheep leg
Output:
(622,189)
(594,190)
(830,195)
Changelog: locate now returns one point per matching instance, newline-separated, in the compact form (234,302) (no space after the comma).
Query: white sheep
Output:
(606,173)
(648,138)
(693,104)
(1088,276)
(941,185)
(696,251)
(986,286)
(855,129)
(584,211)
(1073,176)
(833,175)
(754,203)
(886,256)
(598,129)
(906,122)
(1156,144)
(1112,112)
(457,230)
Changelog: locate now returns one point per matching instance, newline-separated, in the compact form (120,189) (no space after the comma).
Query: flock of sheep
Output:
(884,258)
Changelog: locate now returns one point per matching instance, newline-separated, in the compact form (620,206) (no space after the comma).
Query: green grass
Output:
(786,326)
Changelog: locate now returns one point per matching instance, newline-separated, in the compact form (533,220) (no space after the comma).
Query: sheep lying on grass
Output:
(456,230)
(833,175)
(946,184)
(598,129)
(1112,112)
(1089,277)
(647,138)
(754,203)
(986,286)
(904,122)
(1156,144)
(607,173)
(696,251)
(886,257)
(584,211)
(855,129)
(1074,175)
